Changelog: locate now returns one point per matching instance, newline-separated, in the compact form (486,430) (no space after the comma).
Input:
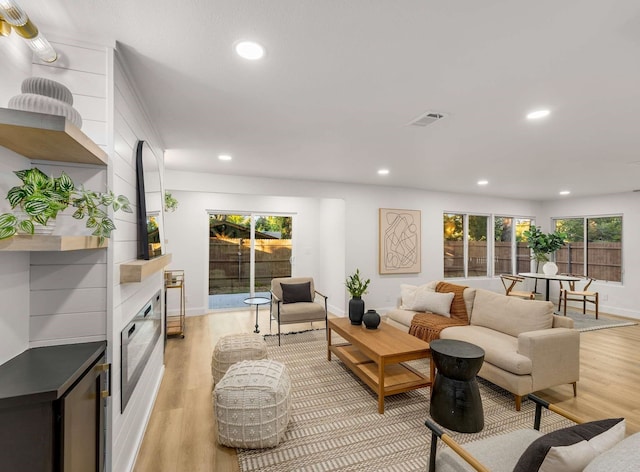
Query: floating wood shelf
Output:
(40,242)
(137,271)
(47,137)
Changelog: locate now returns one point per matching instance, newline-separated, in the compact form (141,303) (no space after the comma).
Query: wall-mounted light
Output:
(12,16)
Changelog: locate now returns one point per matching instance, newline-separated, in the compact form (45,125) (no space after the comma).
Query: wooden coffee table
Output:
(375,356)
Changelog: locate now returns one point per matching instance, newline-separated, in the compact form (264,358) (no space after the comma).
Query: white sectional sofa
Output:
(527,347)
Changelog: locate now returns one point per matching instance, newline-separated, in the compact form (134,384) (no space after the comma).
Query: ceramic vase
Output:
(48,229)
(356,310)
(371,319)
(550,268)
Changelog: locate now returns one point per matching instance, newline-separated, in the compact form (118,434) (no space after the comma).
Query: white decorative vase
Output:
(550,268)
(37,227)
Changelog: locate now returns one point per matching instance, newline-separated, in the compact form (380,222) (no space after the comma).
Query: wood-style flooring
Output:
(181,436)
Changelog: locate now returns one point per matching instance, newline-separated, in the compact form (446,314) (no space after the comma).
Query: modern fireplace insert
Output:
(138,339)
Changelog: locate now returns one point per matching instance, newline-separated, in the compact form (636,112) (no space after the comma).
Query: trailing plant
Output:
(356,285)
(42,197)
(170,203)
(543,244)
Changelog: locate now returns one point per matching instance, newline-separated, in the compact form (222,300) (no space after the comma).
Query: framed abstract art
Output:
(399,236)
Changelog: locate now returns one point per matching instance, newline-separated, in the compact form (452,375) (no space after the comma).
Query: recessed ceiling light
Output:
(250,50)
(383,172)
(536,115)
(483,182)
(224,157)
(565,192)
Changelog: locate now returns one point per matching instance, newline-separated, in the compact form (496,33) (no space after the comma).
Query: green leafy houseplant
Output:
(356,285)
(41,198)
(543,244)
(170,202)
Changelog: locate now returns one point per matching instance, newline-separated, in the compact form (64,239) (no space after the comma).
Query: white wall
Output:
(56,298)
(130,124)
(616,298)
(15,58)
(342,234)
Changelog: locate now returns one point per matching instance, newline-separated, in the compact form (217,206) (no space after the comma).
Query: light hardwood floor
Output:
(181,436)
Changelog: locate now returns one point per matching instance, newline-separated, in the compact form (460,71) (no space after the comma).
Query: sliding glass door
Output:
(245,252)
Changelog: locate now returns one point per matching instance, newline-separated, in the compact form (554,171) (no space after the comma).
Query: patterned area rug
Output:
(335,423)
(588,322)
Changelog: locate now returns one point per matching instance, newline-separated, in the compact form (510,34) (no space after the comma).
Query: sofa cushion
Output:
(623,457)
(408,294)
(500,349)
(571,449)
(433,302)
(510,315)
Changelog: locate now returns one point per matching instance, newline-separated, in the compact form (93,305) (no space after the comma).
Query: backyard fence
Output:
(604,259)
(229,264)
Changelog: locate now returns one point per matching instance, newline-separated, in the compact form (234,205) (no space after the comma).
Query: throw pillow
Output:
(295,293)
(571,449)
(408,293)
(433,302)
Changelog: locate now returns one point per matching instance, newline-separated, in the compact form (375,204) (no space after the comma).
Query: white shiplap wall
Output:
(131,123)
(15,58)
(57,298)
(69,290)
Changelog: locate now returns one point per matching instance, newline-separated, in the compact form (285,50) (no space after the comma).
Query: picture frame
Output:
(400,234)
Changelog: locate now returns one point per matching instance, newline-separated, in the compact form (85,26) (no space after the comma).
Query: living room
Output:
(335,216)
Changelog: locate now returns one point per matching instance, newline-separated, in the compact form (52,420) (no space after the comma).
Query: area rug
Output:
(335,423)
(588,322)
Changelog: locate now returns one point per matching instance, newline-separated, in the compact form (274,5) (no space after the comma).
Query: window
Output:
(510,252)
(594,247)
(465,245)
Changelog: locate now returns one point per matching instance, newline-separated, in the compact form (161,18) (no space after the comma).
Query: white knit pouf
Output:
(235,348)
(252,404)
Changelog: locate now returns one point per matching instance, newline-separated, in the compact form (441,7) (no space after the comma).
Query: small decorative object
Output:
(550,268)
(43,95)
(371,319)
(41,197)
(170,203)
(356,287)
(399,241)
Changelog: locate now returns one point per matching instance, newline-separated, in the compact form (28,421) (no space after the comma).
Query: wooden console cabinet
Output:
(52,409)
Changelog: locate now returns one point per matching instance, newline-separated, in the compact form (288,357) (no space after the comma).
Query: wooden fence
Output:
(229,264)
(604,259)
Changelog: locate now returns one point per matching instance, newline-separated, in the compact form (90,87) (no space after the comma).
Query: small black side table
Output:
(455,396)
(257,301)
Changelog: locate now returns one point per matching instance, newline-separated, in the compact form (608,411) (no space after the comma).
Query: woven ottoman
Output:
(235,348)
(252,404)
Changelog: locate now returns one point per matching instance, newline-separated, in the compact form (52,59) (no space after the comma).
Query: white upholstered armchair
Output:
(293,301)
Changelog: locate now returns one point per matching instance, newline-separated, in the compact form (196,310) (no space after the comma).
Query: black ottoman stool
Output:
(455,396)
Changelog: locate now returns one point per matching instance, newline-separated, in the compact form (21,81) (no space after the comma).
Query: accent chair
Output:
(293,301)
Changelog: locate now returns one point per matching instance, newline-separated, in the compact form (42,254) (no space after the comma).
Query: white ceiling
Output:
(341,79)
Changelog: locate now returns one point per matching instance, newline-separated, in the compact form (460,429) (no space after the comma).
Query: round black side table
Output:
(455,396)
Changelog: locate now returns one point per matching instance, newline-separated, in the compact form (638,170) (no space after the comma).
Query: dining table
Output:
(547,278)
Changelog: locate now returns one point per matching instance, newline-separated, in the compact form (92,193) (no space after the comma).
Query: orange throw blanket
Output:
(427,326)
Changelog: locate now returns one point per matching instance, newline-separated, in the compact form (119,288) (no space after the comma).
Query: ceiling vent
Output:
(427,118)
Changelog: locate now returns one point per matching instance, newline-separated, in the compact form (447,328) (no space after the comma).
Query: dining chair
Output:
(292,301)
(571,294)
(510,281)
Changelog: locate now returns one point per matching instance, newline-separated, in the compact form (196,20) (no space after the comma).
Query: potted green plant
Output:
(356,287)
(170,202)
(542,245)
(40,198)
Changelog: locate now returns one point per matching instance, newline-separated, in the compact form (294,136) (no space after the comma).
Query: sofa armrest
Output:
(554,354)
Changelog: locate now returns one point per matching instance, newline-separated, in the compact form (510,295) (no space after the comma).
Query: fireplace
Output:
(138,339)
